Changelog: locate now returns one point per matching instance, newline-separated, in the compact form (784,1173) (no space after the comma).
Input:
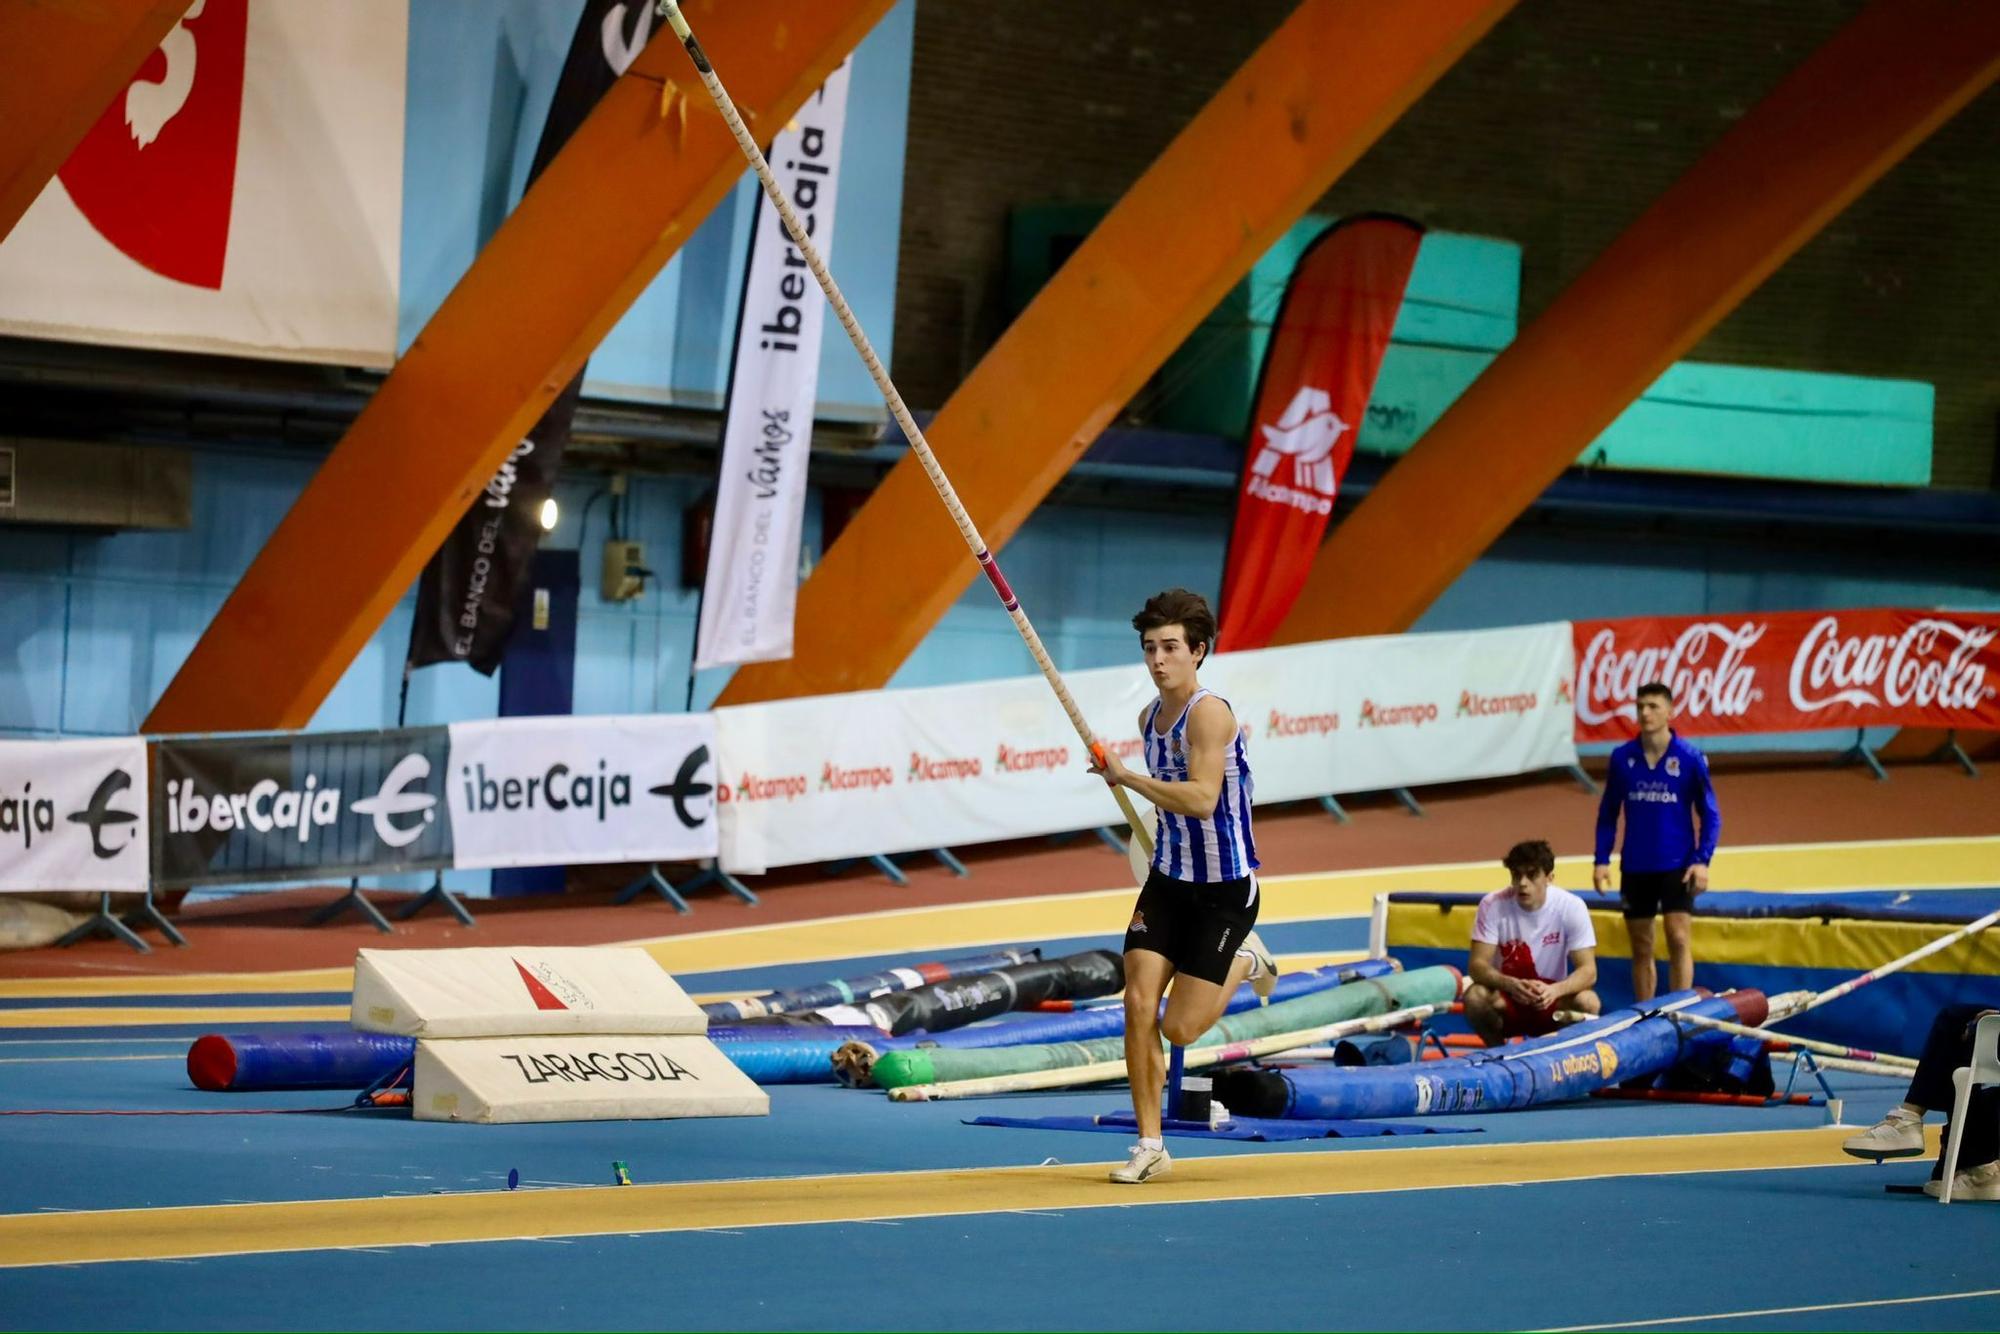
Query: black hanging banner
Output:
(465,597)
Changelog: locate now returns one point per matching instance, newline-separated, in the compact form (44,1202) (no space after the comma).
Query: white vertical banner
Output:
(751,587)
(73,815)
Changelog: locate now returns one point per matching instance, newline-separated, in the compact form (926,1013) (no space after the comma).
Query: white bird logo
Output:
(1306,433)
(148,105)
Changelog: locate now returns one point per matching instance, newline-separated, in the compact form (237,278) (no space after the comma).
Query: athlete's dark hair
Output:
(1655,688)
(1179,606)
(1530,857)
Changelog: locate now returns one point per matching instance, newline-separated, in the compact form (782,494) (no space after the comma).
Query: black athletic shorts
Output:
(1647,894)
(1197,927)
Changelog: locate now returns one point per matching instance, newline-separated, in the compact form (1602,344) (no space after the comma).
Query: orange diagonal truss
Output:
(1311,99)
(622,196)
(61,63)
(1850,112)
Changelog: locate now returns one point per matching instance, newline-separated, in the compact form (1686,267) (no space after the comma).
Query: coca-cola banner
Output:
(1792,671)
(896,770)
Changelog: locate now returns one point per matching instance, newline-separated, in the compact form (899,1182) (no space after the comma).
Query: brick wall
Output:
(1554,132)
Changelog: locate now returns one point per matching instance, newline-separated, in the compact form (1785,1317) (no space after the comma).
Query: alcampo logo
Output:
(1013,761)
(1486,706)
(1301,724)
(394,799)
(785,787)
(1306,432)
(951,768)
(833,778)
(1397,715)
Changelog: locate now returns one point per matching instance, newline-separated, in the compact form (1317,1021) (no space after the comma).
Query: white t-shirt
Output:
(1534,944)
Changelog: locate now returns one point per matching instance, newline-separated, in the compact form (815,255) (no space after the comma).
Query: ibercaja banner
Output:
(233,809)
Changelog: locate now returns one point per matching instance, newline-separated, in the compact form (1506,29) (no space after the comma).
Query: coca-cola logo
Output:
(1933,663)
(156,175)
(1706,667)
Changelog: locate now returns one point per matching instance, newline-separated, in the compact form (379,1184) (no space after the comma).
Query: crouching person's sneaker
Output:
(1147,1162)
(1897,1135)
(1974,1183)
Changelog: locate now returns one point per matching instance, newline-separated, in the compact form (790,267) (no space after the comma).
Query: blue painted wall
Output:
(481,75)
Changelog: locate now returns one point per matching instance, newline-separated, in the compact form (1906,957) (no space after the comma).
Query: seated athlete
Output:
(1192,922)
(1533,951)
(1900,1134)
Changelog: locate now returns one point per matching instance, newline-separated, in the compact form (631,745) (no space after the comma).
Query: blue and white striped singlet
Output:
(1200,851)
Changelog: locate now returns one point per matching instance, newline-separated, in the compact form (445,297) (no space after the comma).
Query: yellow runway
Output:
(243,1229)
(1921,863)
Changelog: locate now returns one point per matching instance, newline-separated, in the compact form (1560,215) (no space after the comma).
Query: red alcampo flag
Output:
(1326,348)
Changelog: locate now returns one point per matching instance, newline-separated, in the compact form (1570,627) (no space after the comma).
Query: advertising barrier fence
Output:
(882,772)
(1793,671)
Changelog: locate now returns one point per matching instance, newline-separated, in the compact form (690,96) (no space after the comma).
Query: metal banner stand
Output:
(356,900)
(108,923)
(437,893)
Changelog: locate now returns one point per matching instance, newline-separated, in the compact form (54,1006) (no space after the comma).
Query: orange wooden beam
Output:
(1867,97)
(61,63)
(601,220)
(1309,102)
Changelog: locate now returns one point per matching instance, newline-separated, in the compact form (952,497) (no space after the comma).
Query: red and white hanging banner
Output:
(242,194)
(1326,347)
(1792,671)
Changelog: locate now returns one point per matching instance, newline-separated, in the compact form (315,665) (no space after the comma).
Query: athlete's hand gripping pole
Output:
(671,11)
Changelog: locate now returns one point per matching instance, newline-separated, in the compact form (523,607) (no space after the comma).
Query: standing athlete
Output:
(1662,785)
(1192,924)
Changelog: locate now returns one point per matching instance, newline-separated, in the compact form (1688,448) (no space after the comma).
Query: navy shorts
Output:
(1197,927)
(1647,894)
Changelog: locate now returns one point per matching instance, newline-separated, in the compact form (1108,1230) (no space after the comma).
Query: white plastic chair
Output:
(1985,1069)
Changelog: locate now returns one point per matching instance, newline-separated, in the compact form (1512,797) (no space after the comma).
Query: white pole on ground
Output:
(671,11)
(1809,1044)
(1878,1068)
(1893,966)
(1198,1058)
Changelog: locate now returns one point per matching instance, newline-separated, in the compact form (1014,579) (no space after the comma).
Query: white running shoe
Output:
(1146,1164)
(1264,979)
(1974,1183)
(1897,1135)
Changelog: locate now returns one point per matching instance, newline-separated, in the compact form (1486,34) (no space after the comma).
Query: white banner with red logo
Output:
(899,770)
(73,815)
(1792,671)
(243,194)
